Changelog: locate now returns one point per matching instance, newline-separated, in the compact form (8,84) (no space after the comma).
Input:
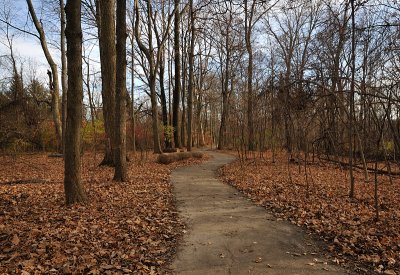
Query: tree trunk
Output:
(74,191)
(352,86)
(226,74)
(64,75)
(177,88)
(55,90)
(191,81)
(163,97)
(248,28)
(106,29)
(154,113)
(148,52)
(222,128)
(133,94)
(120,95)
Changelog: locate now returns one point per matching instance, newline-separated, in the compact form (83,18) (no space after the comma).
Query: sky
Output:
(26,48)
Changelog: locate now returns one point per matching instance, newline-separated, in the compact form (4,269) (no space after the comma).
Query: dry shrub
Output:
(197,155)
(184,155)
(170,150)
(167,158)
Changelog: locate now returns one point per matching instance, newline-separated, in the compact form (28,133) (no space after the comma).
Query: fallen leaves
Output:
(124,227)
(319,201)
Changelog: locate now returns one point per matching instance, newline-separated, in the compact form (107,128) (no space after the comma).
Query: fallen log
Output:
(378,171)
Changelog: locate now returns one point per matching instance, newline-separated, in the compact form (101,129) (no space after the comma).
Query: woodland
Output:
(305,94)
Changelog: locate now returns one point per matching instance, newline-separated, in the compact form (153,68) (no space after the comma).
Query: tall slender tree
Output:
(64,75)
(177,77)
(351,97)
(191,76)
(55,90)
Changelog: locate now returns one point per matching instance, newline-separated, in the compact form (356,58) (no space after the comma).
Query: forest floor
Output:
(226,233)
(136,226)
(318,200)
(123,227)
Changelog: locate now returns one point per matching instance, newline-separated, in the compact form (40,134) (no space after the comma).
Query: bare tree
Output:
(55,90)
(253,11)
(153,58)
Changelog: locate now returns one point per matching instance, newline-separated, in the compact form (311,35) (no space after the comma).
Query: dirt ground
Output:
(227,234)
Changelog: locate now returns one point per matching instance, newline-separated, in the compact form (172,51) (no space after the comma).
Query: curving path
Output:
(227,234)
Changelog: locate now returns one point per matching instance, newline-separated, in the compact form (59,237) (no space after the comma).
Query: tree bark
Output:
(55,90)
(248,29)
(74,191)
(163,98)
(64,75)
(226,74)
(120,120)
(352,87)
(106,30)
(191,81)
(133,93)
(177,88)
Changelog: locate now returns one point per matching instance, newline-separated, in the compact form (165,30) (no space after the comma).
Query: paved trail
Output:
(228,234)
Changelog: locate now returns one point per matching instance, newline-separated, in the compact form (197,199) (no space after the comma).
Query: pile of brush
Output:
(167,158)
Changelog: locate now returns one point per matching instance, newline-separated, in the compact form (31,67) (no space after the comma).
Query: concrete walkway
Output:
(228,234)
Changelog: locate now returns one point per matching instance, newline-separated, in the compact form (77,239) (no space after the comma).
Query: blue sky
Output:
(27,49)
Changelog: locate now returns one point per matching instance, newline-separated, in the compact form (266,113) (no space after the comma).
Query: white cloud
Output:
(28,51)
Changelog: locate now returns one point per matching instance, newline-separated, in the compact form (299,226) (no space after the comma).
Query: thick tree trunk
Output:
(74,191)
(106,30)
(120,121)
(177,88)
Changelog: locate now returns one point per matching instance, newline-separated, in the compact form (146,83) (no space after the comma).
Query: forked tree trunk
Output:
(153,67)
(74,191)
